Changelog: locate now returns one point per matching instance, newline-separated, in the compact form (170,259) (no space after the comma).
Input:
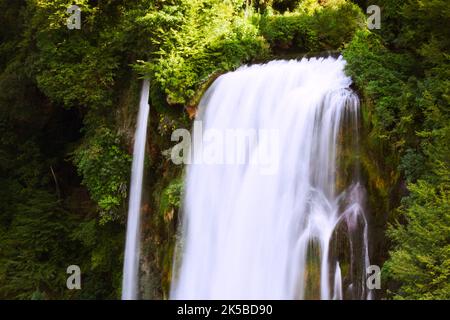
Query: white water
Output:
(250,235)
(337,283)
(131,262)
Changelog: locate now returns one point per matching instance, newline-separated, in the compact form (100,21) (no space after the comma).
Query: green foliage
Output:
(402,72)
(105,169)
(102,249)
(412,164)
(42,239)
(67,68)
(313,27)
(53,214)
(47,220)
(32,258)
(382,76)
(196,39)
(39,235)
(421,258)
(290,30)
(171,196)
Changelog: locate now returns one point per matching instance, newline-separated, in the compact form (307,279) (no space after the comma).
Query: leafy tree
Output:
(402,72)
(420,262)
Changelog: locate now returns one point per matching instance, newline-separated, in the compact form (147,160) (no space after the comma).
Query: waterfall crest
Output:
(296,231)
(131,260)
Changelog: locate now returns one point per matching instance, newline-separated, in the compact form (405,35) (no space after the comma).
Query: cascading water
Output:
(291,225)
(337,283)
(131,262)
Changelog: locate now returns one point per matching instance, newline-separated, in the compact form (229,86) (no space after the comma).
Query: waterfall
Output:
(131,261)
(288,222)
(337,283)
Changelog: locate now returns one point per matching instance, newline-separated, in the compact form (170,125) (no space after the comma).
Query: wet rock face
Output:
(348,248)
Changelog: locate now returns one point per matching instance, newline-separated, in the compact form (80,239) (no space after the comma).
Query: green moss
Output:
(171,197)
(421,258)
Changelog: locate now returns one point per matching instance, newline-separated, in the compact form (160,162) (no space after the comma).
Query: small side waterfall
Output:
(337,283)
(287,223)
(131,261)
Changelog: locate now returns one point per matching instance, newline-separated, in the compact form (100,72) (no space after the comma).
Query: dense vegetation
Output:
(403,74)
(68,102)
